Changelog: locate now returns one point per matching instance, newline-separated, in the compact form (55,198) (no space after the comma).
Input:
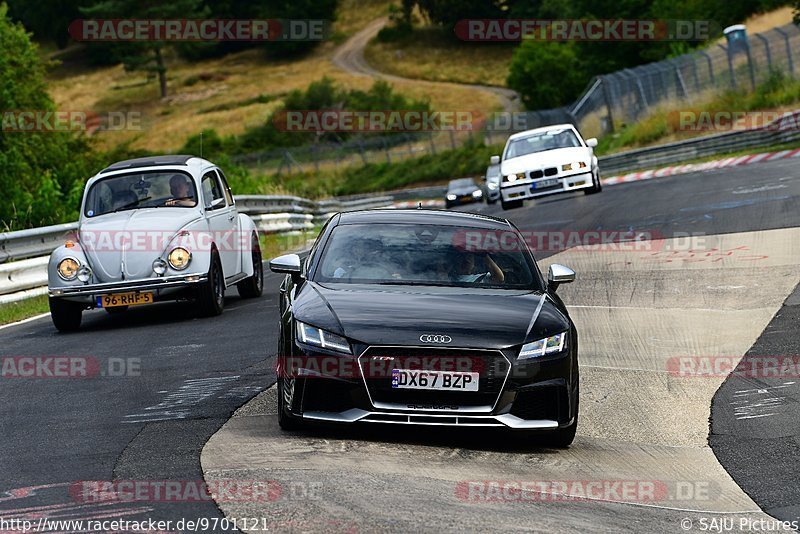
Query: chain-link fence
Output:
(609,101)
(625,96)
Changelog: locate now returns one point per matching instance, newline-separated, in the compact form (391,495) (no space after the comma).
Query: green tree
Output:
(40,170)
(547,74)
(146,55)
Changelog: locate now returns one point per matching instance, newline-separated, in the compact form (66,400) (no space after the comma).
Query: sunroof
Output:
(150,161)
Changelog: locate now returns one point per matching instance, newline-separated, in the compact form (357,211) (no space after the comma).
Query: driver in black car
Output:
(181,191)
(464,268)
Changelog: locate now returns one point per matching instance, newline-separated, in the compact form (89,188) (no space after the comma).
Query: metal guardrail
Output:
(785,129)
(24,254)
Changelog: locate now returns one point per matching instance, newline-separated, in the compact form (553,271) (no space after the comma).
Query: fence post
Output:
(730,65)
(607,98)
(679,78)
(788,49)
(710,66)
(452,140)
(765,42)
(750,66)
(433,145)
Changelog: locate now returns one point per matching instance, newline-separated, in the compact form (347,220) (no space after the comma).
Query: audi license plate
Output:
(124,299)
(541,184)
(440,380)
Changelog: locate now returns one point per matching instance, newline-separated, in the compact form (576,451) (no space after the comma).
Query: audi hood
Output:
(395,315)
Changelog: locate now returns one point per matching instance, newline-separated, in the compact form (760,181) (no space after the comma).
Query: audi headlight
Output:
(311,335)
(548,345)
(179,258)
(68,269)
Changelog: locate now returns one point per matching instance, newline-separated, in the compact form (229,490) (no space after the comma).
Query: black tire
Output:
(286,420)
(66,315)
(447,205)
(116,310)
(597,185)
(211,296)
(510,205)
(253,286)
(563,437)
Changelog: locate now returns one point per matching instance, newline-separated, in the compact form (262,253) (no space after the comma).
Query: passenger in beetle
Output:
(181,191)
(122,199)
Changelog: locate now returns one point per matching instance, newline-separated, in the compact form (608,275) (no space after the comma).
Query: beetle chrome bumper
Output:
(146,284)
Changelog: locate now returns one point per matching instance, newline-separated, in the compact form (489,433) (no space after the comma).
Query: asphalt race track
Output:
(722,262)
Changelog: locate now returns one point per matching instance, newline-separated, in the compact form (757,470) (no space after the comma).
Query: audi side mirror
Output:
(559,274)
(287,264)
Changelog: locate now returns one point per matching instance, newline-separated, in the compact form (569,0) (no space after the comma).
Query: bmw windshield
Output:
(541,142)
(440,255)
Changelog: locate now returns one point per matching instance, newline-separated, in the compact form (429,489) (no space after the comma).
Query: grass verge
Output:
(17,311)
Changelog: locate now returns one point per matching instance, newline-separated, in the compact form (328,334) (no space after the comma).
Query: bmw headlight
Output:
(542,347)
(68,269)
(311,335)
(179,258)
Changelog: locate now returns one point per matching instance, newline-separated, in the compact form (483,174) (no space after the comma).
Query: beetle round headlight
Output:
(68,269)
(159,266)
(84,274)
(179,258)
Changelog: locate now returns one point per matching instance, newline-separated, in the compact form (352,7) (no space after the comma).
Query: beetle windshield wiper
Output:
(131,204)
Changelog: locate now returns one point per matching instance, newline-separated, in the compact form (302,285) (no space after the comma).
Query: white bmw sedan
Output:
(545,161)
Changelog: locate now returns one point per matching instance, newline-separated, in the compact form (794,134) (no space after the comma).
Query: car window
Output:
(154,189)
(211,188)
(543,141)
(464,182)
(400,254)
(226,188)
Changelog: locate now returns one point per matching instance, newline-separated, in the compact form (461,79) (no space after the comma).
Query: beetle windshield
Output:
(140,190)
(409,254)
(540,142)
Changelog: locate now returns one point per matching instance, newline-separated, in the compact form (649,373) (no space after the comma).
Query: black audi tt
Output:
(425,317)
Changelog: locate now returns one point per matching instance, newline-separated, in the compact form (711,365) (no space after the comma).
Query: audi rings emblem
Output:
(435,338)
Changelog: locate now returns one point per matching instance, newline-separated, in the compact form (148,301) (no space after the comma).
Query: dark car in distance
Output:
(462,191)
(426,317)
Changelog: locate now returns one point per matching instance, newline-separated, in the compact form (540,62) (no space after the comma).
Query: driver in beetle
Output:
(181,191)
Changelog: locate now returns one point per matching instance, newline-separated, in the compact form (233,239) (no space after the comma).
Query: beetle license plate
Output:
(124,299)
(544,183)
(439,380)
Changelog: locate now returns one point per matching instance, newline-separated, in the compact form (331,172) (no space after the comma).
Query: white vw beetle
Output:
(153,229)
(545,161)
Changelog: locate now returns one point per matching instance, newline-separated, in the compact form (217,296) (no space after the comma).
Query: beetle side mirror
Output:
(559,274)
(287,264)
(591,142)
(494,160)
